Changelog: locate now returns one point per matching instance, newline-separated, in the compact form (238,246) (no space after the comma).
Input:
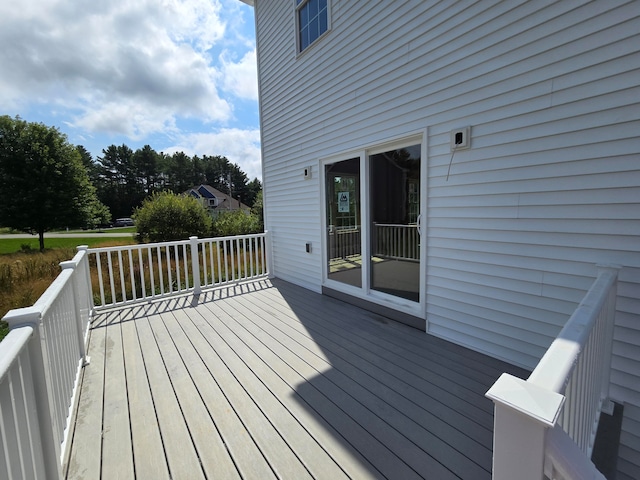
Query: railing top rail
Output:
(11,346)
(138,245)
(232,237)
(77,258)
(406,225)
(172,243)
(50,295)
(555,367)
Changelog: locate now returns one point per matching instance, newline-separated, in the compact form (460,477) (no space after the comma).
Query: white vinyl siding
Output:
(628,457)
(549,188)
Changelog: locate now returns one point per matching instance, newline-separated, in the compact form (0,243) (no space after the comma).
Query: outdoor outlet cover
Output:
(307,172)
(460,138)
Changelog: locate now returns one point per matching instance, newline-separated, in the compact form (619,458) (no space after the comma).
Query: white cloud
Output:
(124,67)
(241,78)
(239,146)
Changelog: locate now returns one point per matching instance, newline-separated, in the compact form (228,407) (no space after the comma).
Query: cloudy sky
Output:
(178,75)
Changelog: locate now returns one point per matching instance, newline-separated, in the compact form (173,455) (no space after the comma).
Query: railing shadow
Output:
(402,403)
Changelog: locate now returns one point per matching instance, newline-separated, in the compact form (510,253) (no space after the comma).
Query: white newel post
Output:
(71,265)
(610,319)
(268,246)
(523,413)
(85,249)
(41,387)
(195,265)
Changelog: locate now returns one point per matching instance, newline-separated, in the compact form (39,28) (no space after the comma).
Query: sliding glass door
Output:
(372,219)
(344,222)
(394,202)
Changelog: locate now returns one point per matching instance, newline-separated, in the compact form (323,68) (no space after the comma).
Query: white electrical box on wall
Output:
(460,138)
(307,172)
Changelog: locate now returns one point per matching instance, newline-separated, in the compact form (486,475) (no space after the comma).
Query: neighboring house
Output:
(476,160)
(216,201)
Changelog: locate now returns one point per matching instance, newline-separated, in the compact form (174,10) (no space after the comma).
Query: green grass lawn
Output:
(103,230)
(13,245)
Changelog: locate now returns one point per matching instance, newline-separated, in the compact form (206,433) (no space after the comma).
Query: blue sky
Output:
(179,75)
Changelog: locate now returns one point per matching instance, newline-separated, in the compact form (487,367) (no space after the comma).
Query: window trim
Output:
(297,8)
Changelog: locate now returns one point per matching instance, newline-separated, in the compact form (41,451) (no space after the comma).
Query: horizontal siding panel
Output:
(493,255)
(629,459)
(457,186)
(513,219)
(625,243)
(493,344)
(544,310)
(503,320)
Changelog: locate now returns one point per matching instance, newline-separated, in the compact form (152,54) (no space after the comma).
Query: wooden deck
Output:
(271,380)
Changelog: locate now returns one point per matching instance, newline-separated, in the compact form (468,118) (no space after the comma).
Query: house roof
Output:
(224,200)
(248,2)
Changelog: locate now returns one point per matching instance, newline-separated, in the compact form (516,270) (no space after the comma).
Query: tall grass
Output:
(24,276)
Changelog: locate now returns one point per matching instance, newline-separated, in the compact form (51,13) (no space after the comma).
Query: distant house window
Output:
(313,21)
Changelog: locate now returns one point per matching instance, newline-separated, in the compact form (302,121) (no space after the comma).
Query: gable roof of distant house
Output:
(224,201)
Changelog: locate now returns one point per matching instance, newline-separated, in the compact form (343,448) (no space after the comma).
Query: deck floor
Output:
(271,380)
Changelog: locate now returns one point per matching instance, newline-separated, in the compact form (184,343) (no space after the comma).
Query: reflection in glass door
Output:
(394,201)
(344,232)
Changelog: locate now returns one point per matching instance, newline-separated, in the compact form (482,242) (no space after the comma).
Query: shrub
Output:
(167,217)
(236,222)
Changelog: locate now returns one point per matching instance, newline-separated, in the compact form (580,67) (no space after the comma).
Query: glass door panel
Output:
(394,199)
(344,229)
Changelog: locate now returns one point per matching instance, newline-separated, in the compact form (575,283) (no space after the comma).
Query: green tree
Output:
(254,187)
(147,164)
(166,216)
(43,183)
(236,222)
(258,209)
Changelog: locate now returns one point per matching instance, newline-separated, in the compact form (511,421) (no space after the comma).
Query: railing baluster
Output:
(151,274)
(195,260)
(225,261)
(160,272)
(111,280)
(212,264)
(100,279)
(132,275)
(121,270)
(238,256)
(143,282)
(176,252)
(205,269)
(169,268)
(251,245)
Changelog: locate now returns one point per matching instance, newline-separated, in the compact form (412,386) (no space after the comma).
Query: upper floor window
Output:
(313,21)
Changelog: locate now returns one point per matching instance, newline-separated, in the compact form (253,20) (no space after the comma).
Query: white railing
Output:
(344,243)
(546,425)
(42,356)
(143,272)
(397,241)
(40,365)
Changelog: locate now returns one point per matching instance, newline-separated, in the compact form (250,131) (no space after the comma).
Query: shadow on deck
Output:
(269,380)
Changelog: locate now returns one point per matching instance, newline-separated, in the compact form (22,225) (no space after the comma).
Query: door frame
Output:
(417,309)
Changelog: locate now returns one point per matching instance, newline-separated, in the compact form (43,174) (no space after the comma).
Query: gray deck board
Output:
(382,394)
(181,455)
(269,380)
(87,451)
(117,452)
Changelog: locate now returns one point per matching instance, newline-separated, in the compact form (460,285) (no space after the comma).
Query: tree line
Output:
(47,183)
(124,178)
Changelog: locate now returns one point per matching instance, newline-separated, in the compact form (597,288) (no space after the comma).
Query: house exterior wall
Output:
(549,188)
